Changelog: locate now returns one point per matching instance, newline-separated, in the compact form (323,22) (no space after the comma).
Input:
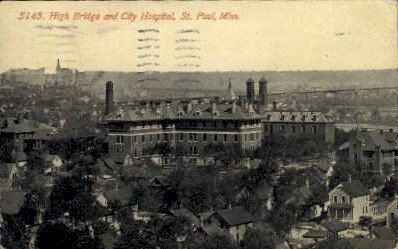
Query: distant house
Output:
(25,135)
(115,193)
(297,230)
(392,213)
(8,174)
(378,209)
(106,169)
(334,228)
(53,161)
(54,165)
(316,235)
(371,149)
(188,215)
(234,220)
(349,201)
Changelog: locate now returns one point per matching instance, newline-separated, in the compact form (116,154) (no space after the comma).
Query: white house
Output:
(348,201)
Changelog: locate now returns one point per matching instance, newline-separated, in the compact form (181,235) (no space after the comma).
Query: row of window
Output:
(343,199)
(294,129)
(252,137)
(193,137)
(283,117)
(196,123)
(157,137)
(221,124)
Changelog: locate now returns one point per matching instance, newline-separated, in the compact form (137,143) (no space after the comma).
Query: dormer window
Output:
(180,114)
(120,114)
(215,113)
(303,118)
(282,117)
(268,117)
(314,129)
(293,117)
(314,118)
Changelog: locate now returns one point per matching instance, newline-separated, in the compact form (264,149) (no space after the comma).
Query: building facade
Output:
(190,130)
(25,135)
(25,75)
(64,76)
(234,221)
(310,124)
(374,151)
(197,127)
(349,201)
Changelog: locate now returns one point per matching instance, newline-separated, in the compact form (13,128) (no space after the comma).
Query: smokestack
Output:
(109,98)
(262,92)
(250,90)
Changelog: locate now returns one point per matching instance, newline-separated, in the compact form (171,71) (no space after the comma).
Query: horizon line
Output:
(215,71)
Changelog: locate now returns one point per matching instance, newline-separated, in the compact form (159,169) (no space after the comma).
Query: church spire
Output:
(58,66)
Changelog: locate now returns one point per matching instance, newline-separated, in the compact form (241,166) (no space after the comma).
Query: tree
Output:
(30,208)
(14,233)
(272,147)
(340,137)
(214,242)
(228,153)
(263,172)
(56,235)
(73,194)
(341,173)
(282,219)
(390,189)
(34,176)
(133,237)
(255,239)
(6,148)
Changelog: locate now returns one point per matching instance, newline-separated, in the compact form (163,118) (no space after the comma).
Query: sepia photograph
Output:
(199,124)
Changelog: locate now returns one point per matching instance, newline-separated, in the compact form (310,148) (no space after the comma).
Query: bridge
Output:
(327,96)
(334,91)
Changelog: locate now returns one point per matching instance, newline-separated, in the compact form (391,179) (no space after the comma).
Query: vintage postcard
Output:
(199,124)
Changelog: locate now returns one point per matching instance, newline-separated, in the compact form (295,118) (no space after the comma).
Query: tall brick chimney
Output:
(109,104)
(262,92)
(250,90)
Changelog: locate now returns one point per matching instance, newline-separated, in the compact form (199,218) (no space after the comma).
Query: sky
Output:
(272,35)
